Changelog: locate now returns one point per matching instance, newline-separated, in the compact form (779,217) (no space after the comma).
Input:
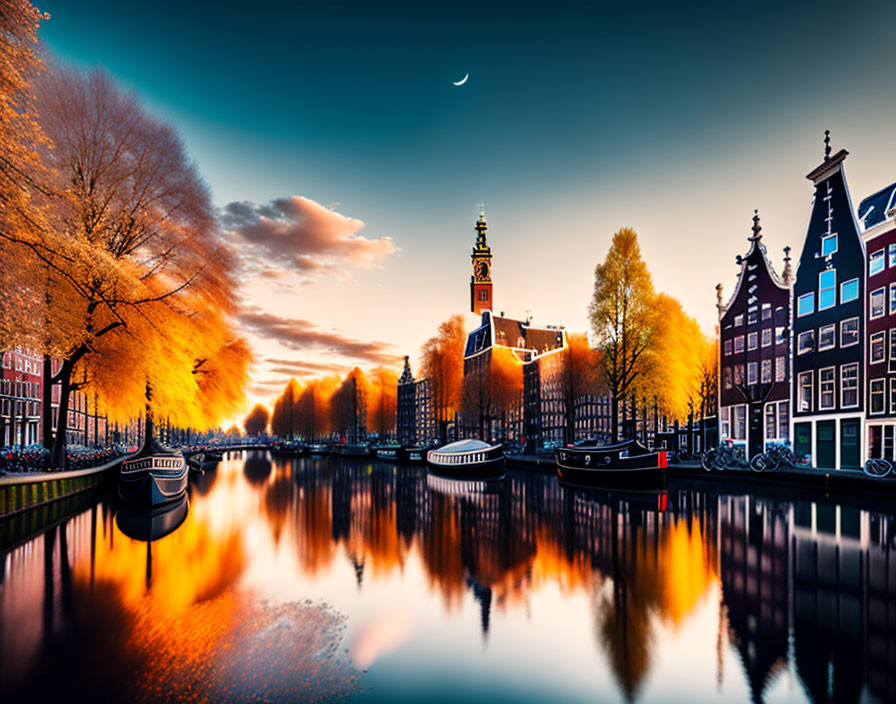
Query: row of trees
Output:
(350,406)
(113,263)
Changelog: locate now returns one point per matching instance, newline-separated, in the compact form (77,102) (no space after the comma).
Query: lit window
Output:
(767,337)
(766,377)
(804,392)
(849,385)
(892,299)
(827,289)
(849,290)
(805,342)
(877,396)
(752,317)
(878,303)
(878,351)
(891,255)
(827,337)
(752,341)
(805,304)
(849,332)
(876,262)
(826,383)
(780,368)
(828,245)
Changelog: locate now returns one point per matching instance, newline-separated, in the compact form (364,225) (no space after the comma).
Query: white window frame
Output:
(727,348)
(832,289)
(892,395)
(832,388)
(780,424)
(805,382)
(878,338)
(843,325)
(882,291)
(780,368)
(766,311)
(799,304)
(843,368)
(843,285)
(738,320)
(876,256)
(753,341)
(833,329)
(828,238)
(738,344)
(734,414)
(892,306)
(725,423)
(806,334)
(752,373)
(767,337)
(877,388)
(765,371)
(893,344)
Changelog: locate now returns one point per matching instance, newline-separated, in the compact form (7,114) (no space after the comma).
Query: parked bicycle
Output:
(878,467)
(723,457)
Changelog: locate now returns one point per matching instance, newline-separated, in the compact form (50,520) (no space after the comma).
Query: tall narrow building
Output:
(828,326)
(481,280)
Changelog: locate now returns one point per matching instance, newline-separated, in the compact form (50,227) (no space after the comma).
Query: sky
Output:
(348,168)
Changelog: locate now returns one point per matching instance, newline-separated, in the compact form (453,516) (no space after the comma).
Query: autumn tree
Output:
(382,402)
(622,317)
(313,407)
(348,406)
(505,385)
(257,421)
(130,248)
(443,365)
(284,417)
(578,378)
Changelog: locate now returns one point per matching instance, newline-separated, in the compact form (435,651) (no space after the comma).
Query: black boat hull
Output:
(491,469)
(148,524)
(626,464)
(144,483)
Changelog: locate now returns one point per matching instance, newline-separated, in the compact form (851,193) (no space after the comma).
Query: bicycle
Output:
(723,457)
(878,467)
(773,457)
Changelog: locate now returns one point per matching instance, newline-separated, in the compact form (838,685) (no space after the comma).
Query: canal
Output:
(321,579)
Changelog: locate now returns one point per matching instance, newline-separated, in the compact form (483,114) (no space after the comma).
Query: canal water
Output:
(323,579)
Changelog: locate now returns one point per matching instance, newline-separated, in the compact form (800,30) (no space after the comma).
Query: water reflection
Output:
(678,594)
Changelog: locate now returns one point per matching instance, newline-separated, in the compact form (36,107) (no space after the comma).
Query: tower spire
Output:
(757,228)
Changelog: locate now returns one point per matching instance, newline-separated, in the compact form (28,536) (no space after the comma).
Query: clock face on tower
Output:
(481,271)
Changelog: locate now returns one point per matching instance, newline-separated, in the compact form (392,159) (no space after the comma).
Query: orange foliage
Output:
(443,365)
(382,401)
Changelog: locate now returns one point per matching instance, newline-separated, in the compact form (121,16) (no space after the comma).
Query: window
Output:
(877,396)
(738,320)
(767,337)
(752,341)
(738,344)
(892,299)
(878,351)
(777,421)
(849,290)
(483,294)
(805,304)
(804,392)
(892,395)
(849,332)
(727,347)
(725,423)
(827,337)
(752,369)
(738,374)
(827,289)
(849,385)
(740,423)
(779,336)
(893,344)
(780,368)
(766,311)
(726,377)
(805,342)
(878,303)
(828,245)
(827,381)
(876,263)
(766,371)
(752,316)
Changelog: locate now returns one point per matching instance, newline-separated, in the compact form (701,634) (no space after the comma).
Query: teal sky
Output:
(677,120)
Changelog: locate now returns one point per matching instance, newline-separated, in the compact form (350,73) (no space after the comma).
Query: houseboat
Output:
(154,476)
(467,458)
(628,463)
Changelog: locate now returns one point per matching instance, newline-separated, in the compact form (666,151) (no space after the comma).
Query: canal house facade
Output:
(754,380)
(828,326)
(877,216)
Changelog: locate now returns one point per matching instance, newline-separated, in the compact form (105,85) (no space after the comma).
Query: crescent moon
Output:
(462,80)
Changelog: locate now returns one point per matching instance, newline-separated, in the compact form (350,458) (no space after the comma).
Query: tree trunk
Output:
(46,409)
(58,458)
(614,417)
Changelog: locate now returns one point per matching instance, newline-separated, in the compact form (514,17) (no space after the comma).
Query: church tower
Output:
(481,280)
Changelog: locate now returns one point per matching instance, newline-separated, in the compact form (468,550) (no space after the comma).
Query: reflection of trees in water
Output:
(257,466)
(278,498)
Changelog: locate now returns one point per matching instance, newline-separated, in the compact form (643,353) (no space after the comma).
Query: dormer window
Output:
(828,245)
(876,262)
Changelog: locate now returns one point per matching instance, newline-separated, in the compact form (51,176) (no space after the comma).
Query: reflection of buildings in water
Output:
(278,498)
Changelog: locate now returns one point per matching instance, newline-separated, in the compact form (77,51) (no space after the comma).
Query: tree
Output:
(348,407)
(313,407)
(443,365)
(257,421)
(284,418)
(579,378)
(622,317)
(130,246)
(382,401)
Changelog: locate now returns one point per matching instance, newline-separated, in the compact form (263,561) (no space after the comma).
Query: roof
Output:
(873,210)
(462,446)
(516,333)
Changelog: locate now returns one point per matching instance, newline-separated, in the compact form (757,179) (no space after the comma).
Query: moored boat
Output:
(628,463)
(317,449)
(202,460)
(354,450)
(467,458)
(153,478)
(386,452)
(413,454)
(289,449)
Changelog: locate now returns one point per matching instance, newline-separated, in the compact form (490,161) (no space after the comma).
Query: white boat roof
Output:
(464,446)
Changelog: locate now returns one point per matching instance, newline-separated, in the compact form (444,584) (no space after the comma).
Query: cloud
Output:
(303,235)
(302,335)
(301,368)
